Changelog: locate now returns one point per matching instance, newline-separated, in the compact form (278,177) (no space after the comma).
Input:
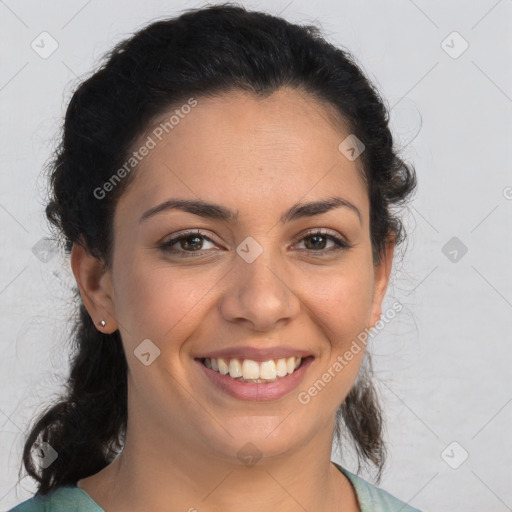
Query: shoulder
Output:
(372,498)
(63,499)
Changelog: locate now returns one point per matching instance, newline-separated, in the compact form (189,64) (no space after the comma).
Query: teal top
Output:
(71,498)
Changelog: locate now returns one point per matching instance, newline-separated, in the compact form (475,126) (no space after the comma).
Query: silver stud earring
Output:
(103,323)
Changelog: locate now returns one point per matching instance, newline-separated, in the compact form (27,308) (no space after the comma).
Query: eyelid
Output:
(321,231)
(185,233)
(340,241)
(298,238)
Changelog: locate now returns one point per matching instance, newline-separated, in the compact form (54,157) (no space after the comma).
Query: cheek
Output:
(342,310)
(156,301)
(162,302)
(341,303)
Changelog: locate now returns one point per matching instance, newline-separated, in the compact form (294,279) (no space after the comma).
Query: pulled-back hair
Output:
(203,52)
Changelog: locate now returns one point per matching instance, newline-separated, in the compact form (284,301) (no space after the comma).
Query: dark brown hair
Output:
(203,52)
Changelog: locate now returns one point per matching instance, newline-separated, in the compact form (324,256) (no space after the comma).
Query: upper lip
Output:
(256,353)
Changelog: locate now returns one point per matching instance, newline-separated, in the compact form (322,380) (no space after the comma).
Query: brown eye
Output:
(189,242)
(317,241)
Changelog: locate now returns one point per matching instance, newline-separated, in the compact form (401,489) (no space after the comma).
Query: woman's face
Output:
(258,286)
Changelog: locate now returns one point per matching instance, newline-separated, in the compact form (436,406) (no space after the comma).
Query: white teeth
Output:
(252,371)
(223,367)
(235,368)
(281,368)
(268,370)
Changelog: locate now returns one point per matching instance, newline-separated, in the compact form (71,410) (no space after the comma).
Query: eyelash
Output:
(340,244)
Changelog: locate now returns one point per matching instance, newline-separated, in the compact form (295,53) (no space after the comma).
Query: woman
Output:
(224,187)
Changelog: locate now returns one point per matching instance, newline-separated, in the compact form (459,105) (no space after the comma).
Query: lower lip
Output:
(257,391)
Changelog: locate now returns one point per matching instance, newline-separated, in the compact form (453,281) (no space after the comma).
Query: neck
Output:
(155,471)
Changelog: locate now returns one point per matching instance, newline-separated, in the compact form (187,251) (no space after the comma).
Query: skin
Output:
(257,156)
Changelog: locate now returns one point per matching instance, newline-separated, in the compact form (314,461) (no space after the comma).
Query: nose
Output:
(259,294)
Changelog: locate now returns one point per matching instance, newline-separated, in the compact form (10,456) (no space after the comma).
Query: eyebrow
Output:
(219,212)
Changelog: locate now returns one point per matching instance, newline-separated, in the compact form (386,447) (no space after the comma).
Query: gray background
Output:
(443,365)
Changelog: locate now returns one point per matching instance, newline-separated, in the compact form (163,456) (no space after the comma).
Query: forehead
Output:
(240,149)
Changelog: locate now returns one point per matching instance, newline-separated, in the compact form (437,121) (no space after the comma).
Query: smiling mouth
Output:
(250,371)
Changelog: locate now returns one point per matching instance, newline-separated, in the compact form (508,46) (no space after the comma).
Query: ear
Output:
(381,279)
(95,285)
